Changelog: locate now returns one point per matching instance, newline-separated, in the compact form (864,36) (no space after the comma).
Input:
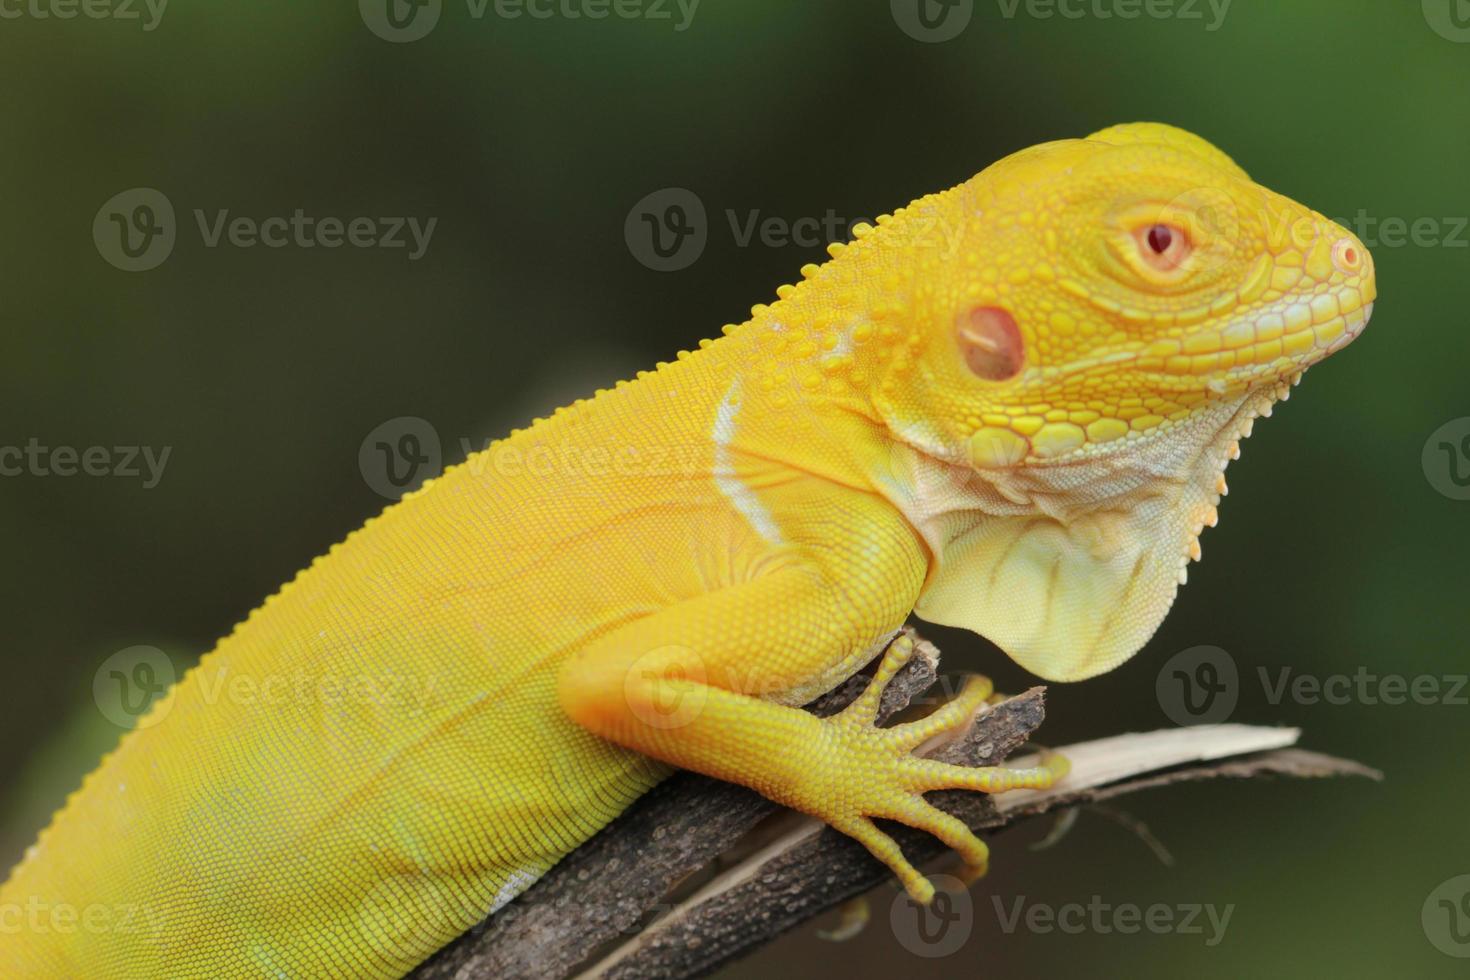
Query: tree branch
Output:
(630,902)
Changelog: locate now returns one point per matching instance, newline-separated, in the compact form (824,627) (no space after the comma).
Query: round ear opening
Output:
(991,343)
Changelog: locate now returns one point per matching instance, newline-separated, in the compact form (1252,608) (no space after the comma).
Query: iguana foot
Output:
(872,773)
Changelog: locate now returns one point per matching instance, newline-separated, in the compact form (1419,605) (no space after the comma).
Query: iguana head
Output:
(1083,332)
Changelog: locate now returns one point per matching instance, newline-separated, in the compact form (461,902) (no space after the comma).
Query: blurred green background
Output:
(529,140)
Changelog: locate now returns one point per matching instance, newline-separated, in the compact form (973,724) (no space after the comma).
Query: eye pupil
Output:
(1160,238)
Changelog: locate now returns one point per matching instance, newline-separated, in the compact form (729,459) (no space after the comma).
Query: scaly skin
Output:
(1004,408)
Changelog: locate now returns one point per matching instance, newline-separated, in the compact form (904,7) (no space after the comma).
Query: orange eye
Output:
(1163,247)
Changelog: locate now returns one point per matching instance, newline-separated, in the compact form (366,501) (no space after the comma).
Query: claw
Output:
(929,774)
(968,874)
(885,849)
(954,715)
(955,833)
(875,774)
(852,919)
(1062,826)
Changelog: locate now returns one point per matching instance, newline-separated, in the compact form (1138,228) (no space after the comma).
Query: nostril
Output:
(1347,256)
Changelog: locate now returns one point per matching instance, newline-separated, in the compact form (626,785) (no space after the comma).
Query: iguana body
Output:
(1005,408)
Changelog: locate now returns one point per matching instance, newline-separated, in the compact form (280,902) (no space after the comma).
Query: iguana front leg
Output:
(700,685)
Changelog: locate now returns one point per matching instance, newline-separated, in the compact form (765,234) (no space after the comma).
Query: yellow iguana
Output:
(1006,407)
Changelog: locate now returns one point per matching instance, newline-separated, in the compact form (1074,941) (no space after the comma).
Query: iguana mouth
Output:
(1284,340)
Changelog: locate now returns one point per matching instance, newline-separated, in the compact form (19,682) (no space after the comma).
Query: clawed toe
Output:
(954,715)
(886,780)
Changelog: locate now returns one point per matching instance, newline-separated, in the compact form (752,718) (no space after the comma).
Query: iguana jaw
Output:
(1264,347)
(1192,456)
(1187,459)
(1192,451)
(1069,566)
